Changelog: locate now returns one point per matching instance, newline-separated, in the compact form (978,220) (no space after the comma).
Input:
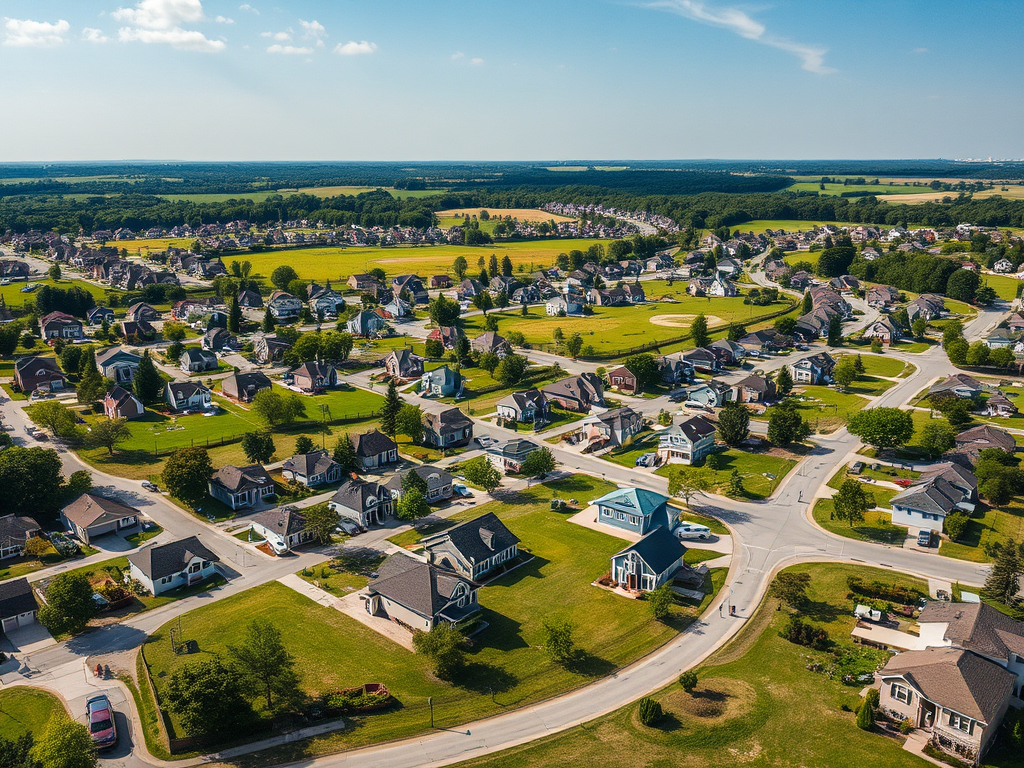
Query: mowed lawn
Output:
(756,703)
(751,466)
(987,527)
(14,298)
(1006,287)
(26,710)
(507,657)
(826,409)
(876,526)
(338,263)
(879,365)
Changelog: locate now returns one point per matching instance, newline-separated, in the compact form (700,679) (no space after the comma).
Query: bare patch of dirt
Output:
(714,700)
(683,321)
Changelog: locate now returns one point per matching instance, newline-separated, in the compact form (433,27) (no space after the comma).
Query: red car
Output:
(903,482)
(101,722)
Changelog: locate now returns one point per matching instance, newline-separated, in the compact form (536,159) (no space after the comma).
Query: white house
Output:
(283,528)
(182,563)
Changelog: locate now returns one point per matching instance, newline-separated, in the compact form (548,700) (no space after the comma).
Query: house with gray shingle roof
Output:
(473,549)
(163,567)
(650,562)
(418,595)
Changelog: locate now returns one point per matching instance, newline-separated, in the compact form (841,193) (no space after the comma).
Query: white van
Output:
(686,530)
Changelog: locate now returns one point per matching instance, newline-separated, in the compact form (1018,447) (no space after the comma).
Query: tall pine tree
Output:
(234,315)
(784,381)
(345,454)
(1002,582)
(268,321)
(147,384)
(389,411)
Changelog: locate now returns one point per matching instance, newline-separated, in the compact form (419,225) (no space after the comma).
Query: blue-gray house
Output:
(635,509)
(650,562)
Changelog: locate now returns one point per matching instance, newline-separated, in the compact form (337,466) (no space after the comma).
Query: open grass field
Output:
(142,247)
(987,527)
(612,329)
(1010,192)
(338,263)
(522,214)
(876,525)
(889,188)
(825,409)
(811,257)
(26,710)
(751,466)
(756,703)
(479,403)
(1006,287)
(760,226)
(15,299)
(333,650)
(879,365)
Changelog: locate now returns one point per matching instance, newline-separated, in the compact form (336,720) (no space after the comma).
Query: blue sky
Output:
(522,80)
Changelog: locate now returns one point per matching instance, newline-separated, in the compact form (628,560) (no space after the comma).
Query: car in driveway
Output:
(148,486)
(100,716)
(924,538)
(688,530)
(462,490)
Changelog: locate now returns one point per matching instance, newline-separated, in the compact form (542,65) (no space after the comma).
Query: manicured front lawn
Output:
(878,365)
(751,466)
(138,539)
(626,455)
(26,710)
(756,703)
(826,409)
(482,391)
(507,657)
(875,526)
(985,528)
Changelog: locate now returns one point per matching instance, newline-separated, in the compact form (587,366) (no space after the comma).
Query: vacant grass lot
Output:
(338,263)
(884,188)
(1005,287)
(876,526)
(756,704)
(826,409)
(479,403)
(760,226)
(26,710)
(333,650)
(879,365)
(987,527)
(522,214)
(15,299)
(751,466)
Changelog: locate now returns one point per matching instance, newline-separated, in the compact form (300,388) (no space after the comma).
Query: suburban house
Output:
(396,309)
(117,364)
(196,360)
(958,696)
(241,486)
(446,427)
(403,364)
(187,396)
(32,373)
(712,393)
(218,339)
(15,531)
(312,469)
(882,296)
(614,427)
(250,299)
(473,549)
(375,450)
(635,509)
(411,284)
(440,281)
(971,442)
(959,384)
(576,393)
(163,567)
(528,407)
(650,562)
(622,379)
(18,604)
(364,503)
(999,405)
(927,306)
(925,504)
(754,389)
(767,341)
(439,483)
(729,352)
(568,305)
(1000,338)
(284,307)
(883,329)
(268,349)
(814,369)
(365,323)
(675,368)
(60,325)
(418,595)
(314,376)
(244,386)
(283,528)
(140,330)
(688,442)
(140,312)
(703,360)
(509,456)
(441,382)
(448,335)
(120,403)
(90,516)
(491,342)
(97,315)
(364,284)
(324,301)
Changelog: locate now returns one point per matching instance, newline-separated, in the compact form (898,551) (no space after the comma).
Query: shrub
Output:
(688,680)
(879,590)
(871,698)
(865,718)
(906,726)
(649,711)
(802,633)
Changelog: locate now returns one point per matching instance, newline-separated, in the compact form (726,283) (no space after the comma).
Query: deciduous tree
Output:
(187,474)
(443,645)
(258,447)
(69,604)
(209,697)
(64,743)
(265,663)
(882,427)
(850,502)
(110,433)
(734,424)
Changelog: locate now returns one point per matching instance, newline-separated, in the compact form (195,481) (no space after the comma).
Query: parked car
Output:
(148,486)
(101,722)
(688,530)
(924,538)
(461,490)
(647,460)
(5,281)
(903,482)
(346,526)
(693,405)
(857,467)
(677,395)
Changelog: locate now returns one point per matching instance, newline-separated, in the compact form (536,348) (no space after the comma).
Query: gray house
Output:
(241,486)
(182,563)
(441,382)
(528,407)
(364,503)
(446,428)
(375,450)
(650,562)
(90,516)
(473,549)
(420,596)
(312,469)
(118,364)
(439,483)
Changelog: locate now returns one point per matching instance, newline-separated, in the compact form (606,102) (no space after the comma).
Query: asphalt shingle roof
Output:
(16,597)
(659,549)
(163,560)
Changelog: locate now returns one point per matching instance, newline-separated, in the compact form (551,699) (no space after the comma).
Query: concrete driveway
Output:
(27,639)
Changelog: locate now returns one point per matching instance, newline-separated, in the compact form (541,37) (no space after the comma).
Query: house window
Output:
(620,515)
(960,722)
(634,520)
(901,693)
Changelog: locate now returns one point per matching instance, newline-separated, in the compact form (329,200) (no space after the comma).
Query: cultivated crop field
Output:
(885,187)
(258,197)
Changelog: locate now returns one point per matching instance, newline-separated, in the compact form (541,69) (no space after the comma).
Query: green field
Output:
(338,263)
(1005,287)
(793,257)
(14,298)
(879,365)
(876,525)
(751,466)
(760,226)
(26,710)
(506,658)
(756,704)
(987,527)
(885,188)
(826,409)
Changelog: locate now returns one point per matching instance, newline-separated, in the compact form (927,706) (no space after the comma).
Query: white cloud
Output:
(25,33)
(94,35)
(183,39)
(920,50)
(288,49)
(812,58)
(313,30)
(281,37)
(352,48)
(476,62)
(458,55)
(224,20)
(160,22)
(249,8)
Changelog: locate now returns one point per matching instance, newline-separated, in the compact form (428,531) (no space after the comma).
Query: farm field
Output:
(882,188)
(26,710)
(260,196)
(612,329)
(756,703)
(1011,192)
(506,657)
(338,263)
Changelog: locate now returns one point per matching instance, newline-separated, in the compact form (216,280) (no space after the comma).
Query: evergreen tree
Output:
(492,265)
(699,331)
(835,331)
(808,305)
(345,454)
(506,266)
(147,384)
(1002,583)
(784,381)
(234,315)
(734,424)
(268,321)
(389,411)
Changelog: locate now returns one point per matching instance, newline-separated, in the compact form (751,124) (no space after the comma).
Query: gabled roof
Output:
(934,496)
(16,597)
(309,464)
(186,389)
(104,355)
(954,679)
(162,560)
(354,494)
(525,399)
(696,428)
(448,418)
(976,627)
(90,509)
(636,501)
(477,539)
(16,528)
(957,381)
(282,520)
(658,548)
(236,479)
(977,439)
(422,588)
(373,443)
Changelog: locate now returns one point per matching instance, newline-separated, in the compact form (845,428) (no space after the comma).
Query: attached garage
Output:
(18,604)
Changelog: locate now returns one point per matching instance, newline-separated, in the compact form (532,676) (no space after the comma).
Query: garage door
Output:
(11,623)
(26,618)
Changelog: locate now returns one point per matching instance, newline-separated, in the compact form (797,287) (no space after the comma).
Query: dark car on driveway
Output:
(101,722)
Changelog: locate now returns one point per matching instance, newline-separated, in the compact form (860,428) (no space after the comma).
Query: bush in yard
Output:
(906,726)
(871,698)
(69,604)
(955,524)
(444,645)
(802,633)
(688,680)
(64,743)
(36,546)
(648,711)
(661,601)
(208,697)
(480,471)
(865,718)
(559,641)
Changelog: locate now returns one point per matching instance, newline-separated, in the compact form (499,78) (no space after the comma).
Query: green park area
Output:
(761,700)
(26,710)
(14,298)
(761,473)
(824,408)
(882,188)
(507,663)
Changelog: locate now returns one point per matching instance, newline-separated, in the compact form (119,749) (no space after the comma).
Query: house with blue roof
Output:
(650,562)
(635,509)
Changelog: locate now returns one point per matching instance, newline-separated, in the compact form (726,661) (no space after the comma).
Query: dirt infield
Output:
(683,321)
